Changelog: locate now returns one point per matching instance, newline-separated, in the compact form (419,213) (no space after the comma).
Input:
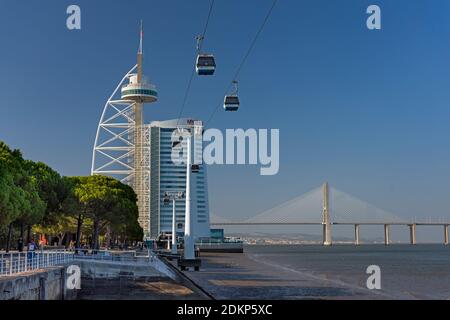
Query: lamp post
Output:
(189,244)
(173,249)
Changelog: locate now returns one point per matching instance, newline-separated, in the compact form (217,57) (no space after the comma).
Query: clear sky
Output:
(366,110)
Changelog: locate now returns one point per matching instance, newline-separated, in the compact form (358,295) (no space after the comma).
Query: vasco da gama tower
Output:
(138,154)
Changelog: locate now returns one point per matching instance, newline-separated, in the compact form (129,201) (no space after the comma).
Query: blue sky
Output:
(366,110)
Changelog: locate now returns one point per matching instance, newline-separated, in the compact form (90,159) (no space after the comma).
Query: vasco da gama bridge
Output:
(345,210)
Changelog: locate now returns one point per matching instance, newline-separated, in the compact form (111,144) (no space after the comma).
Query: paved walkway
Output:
(135,289)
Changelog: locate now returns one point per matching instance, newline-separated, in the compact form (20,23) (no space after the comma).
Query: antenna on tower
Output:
(140,54)
(141,36)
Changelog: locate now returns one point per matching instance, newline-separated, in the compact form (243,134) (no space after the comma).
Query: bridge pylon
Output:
(326,216)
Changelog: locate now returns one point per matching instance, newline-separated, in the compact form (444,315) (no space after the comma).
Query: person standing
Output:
(31,249)
(20,244)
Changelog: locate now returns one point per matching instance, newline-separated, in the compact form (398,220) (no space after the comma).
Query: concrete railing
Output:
(114,256)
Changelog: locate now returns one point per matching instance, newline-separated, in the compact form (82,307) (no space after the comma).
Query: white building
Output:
(167,176)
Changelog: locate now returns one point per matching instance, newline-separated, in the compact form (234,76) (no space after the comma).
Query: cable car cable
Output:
(245,58)
(207,23)
(188,88)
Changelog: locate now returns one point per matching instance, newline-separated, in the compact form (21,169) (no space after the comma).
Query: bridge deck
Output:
(333,223)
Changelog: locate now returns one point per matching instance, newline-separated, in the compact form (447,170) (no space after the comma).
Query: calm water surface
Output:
(407,272)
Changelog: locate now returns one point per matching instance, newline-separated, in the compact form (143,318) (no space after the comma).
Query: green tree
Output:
(124,218)
(55,191)
(33,194)
(29,204)
(12,198)
(106,201)
(52,189)
(75,206)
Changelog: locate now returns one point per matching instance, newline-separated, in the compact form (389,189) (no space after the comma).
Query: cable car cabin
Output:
(206,65)
(195,168)
(231,103)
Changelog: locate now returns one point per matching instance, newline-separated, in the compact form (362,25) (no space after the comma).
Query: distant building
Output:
(217,234)
(166,176)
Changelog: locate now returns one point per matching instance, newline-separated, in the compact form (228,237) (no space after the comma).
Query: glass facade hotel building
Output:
(167,176)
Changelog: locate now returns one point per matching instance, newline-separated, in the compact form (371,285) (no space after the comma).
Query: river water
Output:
(407,272)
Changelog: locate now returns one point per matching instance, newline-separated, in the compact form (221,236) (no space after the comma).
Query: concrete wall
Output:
(108,269)
(48,284)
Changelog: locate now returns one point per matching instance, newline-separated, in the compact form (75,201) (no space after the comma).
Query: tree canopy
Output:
(35,195)
(107,201)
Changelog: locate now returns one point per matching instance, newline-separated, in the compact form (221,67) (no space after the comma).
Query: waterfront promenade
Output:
(112,275)
(126,288)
